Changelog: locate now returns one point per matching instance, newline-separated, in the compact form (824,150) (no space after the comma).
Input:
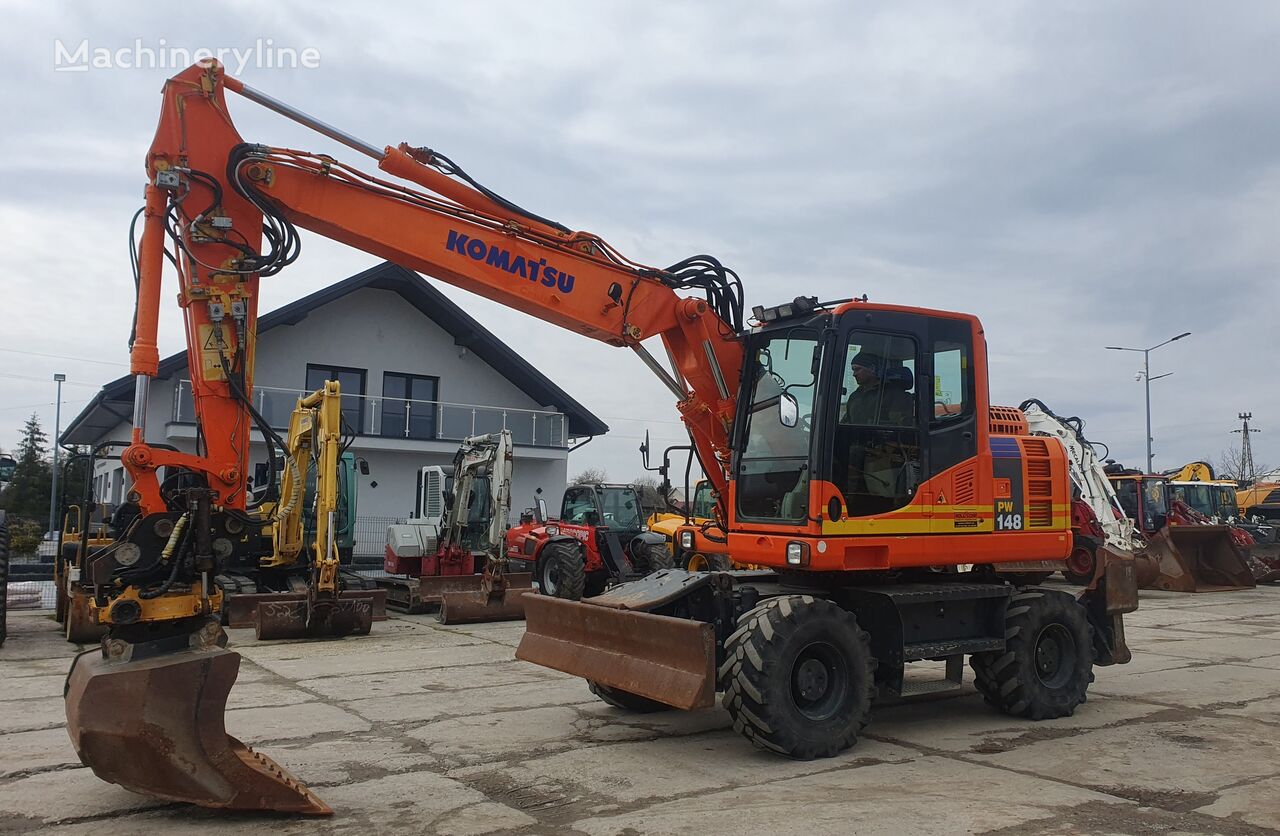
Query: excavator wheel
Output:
(626,700)
(799,677)
(151,720)
(562,573)
(1047,664)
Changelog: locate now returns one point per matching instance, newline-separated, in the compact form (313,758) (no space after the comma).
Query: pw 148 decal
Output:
(495,256)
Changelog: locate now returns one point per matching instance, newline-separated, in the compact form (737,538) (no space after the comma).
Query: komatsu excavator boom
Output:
(851,446)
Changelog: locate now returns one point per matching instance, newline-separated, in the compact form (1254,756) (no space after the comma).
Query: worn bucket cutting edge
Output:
(433,588)
(1193,558)
(155,727)
(349,615)
(242,609)
(479,606)
(671,660)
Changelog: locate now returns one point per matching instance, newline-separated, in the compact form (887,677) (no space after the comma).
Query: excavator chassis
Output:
(662,637)
(148,715)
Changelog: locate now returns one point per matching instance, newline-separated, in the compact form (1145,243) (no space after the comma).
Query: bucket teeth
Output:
(155,726)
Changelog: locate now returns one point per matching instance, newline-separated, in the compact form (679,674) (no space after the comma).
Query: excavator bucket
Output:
(155,726)
(1193,558)
(350,614)
(242,609)
(671,660)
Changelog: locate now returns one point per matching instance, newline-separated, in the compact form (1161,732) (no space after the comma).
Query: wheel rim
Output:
(819,681)
(1055,655)
(549,577)
(1081,562)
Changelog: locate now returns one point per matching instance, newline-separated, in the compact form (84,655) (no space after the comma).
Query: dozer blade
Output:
(155,727)
(478,606)
(671,660)
(351,614)
(242,609)
(1193,558)
(433,588)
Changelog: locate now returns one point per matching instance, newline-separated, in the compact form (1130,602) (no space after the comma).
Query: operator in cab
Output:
(876,402)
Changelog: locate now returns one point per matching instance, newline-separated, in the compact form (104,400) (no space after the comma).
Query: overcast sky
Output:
(1078,175)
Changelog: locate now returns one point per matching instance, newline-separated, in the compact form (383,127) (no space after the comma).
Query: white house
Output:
(417,375)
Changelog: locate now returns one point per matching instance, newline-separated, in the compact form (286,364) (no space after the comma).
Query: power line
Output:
(63,357)
(43,380)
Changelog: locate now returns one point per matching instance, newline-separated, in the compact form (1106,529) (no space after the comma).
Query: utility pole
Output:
(1246,448)
(1145,375)
(57,428)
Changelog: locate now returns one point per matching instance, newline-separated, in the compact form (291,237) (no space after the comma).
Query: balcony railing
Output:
(402,418)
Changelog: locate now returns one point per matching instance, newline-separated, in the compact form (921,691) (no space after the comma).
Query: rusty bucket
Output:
(1193,558)
(350,614)
(155,726)
(671,660)
(481,604)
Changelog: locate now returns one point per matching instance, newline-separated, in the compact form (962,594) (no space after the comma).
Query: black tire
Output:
(799,677)
(626,700)
(656,556)
(4,583)
(1047,664)
(562,571)
(1082,562)
(699,562)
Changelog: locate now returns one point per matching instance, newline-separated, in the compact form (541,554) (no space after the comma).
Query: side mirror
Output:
(362,464)
(540,513)
(788,410)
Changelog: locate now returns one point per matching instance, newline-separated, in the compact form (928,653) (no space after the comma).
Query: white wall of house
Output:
(378,331)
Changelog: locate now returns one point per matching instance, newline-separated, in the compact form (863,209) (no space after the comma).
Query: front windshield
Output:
(773,474)
(621,508)
(703,505)
(1198,497)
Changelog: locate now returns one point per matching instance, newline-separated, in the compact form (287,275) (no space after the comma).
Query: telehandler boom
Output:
(851,445)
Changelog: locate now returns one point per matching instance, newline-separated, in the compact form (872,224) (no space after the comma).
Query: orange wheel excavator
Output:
(851,447)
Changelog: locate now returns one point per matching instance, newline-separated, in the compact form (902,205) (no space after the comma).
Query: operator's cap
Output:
(868,361)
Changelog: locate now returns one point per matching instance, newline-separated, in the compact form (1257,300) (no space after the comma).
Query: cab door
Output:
(952,471)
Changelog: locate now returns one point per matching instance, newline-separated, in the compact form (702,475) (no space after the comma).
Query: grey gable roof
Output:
(114,403)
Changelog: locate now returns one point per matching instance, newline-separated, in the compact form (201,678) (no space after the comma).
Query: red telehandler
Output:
(817,423)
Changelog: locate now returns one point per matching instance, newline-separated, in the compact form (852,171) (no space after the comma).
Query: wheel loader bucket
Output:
(480,605)
(1193,558)
(155,727)
(671,660)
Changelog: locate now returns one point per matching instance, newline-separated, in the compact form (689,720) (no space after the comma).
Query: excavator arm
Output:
(225,214)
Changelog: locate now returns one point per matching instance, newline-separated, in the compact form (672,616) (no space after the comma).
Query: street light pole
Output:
(1147,378)
(57,430)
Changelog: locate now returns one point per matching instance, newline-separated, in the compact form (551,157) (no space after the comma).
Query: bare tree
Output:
(1231,465)
(590,476)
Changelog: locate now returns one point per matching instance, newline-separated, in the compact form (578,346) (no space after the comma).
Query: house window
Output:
(351,381)
(408,405)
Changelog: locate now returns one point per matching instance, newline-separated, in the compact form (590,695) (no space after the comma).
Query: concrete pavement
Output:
(433,729)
